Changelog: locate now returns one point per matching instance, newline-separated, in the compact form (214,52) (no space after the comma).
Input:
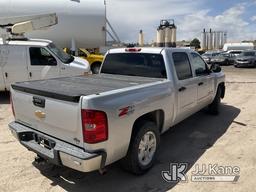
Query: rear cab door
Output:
(203,78)
(42,64)
(14,64)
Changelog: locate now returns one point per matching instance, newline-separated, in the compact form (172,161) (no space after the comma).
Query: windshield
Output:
(135,64)
(246,54)
(64,57)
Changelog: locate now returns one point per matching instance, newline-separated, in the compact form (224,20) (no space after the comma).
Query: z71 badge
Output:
(126,111)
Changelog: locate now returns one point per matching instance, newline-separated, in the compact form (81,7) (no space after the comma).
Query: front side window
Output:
(41,57)
(182,65)
(198,64)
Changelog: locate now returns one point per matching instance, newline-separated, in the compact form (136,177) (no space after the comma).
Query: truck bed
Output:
(72,88)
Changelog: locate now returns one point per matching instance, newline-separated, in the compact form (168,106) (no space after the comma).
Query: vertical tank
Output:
(225,38)
(168,36)
(160,37)
(210,40)
(141,39)
(174,37)
(221,39)
(203,40)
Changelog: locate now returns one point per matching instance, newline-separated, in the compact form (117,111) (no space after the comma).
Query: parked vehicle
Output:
(35,59)
(95,60)
(88,122)
(237,46)
(235,52)
(224,59)
(246,59)
(209,55)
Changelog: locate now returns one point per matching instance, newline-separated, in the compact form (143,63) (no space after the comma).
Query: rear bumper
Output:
(58,152)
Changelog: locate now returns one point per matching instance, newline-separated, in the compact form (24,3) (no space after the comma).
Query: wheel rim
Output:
(147,148)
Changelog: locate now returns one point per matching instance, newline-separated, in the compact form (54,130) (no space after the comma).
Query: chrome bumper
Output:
(57,151)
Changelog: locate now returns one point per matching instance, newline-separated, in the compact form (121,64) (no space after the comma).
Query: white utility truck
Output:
(88,122)
(23,59)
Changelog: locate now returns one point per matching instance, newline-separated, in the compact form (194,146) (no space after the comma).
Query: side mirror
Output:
(215,68)
(201,71)
(52,61)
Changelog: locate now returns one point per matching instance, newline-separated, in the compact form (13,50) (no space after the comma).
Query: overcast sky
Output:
(238,18)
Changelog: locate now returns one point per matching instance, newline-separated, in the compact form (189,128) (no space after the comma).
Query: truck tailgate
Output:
(60,119)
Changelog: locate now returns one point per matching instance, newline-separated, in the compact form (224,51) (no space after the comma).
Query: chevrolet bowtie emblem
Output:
(40,114)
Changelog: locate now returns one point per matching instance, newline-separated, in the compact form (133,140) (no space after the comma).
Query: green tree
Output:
(195,43)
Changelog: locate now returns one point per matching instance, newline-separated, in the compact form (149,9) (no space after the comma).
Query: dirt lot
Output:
(228,139)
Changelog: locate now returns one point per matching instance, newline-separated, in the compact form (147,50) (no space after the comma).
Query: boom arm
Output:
(17,26)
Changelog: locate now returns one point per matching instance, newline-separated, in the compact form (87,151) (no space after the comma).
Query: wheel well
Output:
(155,116)
(222,88)
(95,63)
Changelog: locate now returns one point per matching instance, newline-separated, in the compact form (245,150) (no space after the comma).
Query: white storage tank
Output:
(174,36)
(160,37)
(141,39)
(81,22)
(166,34)
(168,37)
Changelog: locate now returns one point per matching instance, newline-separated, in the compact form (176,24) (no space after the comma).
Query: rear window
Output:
(135,64)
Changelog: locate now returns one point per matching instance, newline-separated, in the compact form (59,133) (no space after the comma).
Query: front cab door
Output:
(204,80)
(43,65)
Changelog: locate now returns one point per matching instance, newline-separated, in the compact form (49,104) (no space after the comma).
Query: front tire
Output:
(143,148)
(95,68)
(213,108)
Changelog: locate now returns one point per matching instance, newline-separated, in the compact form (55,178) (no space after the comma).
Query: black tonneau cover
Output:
(72,88)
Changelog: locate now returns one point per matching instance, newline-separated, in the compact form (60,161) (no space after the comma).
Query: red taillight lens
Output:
(95,126)
(13,112)
(133,49)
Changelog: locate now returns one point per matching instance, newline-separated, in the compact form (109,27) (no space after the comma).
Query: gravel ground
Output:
(228,139)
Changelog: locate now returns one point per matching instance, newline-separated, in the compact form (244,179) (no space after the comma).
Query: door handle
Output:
(63,68)
(6,75)
(182,89)
(30,74)
(200,84)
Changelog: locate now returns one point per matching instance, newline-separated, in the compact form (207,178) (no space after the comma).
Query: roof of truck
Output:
(37,42)
(154,50)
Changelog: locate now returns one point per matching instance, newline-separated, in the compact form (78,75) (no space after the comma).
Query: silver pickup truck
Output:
(89,122)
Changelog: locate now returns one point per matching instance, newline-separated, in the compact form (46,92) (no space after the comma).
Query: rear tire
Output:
(143,148)
(213,108)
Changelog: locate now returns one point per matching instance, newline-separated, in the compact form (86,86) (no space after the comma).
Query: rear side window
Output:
(135,64)
(41,57)
(182,65)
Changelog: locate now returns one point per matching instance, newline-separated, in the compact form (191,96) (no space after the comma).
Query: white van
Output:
(34,59)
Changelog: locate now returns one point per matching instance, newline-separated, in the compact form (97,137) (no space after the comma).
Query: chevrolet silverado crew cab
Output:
(88,122)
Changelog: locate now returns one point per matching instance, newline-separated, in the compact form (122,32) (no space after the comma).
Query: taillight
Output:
(13,112)
(133,49)
(95,126)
